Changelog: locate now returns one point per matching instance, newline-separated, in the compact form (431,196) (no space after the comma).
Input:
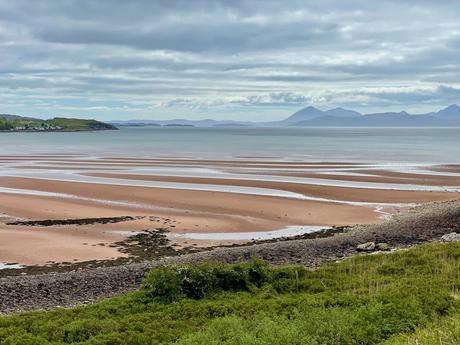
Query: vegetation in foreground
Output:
(406,297)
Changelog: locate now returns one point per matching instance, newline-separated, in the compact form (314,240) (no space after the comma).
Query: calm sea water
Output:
(411,145)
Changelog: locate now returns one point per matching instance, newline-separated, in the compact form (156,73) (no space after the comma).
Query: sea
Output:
(395,145)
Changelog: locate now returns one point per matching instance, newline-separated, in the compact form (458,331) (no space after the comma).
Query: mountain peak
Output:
(341,112)
(453,107)
(307,113)
(310,108)
(452,110)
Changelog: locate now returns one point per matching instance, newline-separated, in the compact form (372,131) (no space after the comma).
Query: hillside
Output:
(14,123)
(80,124)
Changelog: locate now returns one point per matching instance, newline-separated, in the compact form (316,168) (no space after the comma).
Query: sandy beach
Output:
(190,198)
(422,224)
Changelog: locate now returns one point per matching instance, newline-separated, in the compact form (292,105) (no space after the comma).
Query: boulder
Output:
(366,247)
(382,246)
(452,237)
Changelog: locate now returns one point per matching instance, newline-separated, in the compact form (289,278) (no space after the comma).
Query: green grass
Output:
(374,299)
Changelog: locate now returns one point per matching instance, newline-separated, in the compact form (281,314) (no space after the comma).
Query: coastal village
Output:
(36,127)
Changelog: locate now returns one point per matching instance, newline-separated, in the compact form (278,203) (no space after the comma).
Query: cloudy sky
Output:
(246,60)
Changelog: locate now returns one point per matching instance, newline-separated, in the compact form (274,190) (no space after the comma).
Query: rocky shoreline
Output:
(144,246)
(84,285)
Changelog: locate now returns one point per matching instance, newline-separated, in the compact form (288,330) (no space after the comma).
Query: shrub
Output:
(445,332)
(81,330)
(169,283)
(120,339)
(196,282)
(25,339)
(163,284)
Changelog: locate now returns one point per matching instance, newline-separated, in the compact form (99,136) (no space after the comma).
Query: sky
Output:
(242,60)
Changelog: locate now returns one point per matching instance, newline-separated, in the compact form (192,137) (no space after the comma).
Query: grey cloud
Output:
(280,98)
(224,37)
(231,53)
(270,99)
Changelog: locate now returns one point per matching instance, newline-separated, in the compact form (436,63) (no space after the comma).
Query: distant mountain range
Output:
(181,122)
(337,117)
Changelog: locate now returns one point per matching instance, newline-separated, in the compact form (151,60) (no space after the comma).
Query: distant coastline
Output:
(20,124)
(314,117)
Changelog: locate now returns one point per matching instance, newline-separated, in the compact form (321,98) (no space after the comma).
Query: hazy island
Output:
(15,123)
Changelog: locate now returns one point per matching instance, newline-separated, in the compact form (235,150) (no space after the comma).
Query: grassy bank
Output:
(375,299)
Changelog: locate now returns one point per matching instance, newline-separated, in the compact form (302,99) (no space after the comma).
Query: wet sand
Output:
(328,192)
(106,187)
(193,211)
(380,176)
